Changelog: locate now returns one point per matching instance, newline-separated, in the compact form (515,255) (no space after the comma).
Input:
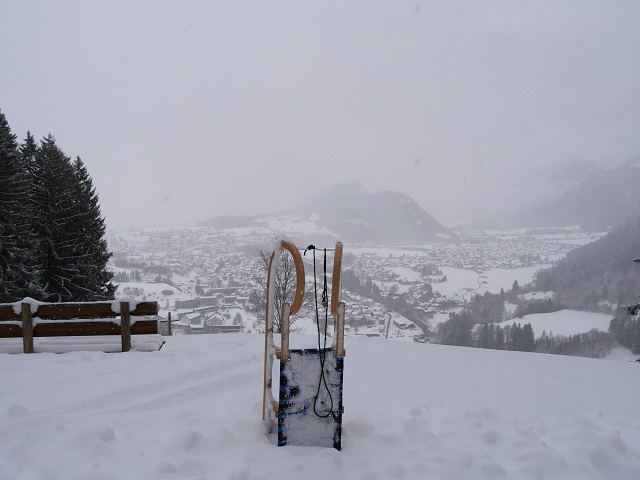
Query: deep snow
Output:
(192,410)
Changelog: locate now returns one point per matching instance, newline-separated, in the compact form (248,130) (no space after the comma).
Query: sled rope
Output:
(322,351)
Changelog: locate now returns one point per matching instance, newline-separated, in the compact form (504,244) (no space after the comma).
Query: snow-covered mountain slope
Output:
(360,216)
(565,175)
(349,212)
(600,200)
(414,411)
(518,192)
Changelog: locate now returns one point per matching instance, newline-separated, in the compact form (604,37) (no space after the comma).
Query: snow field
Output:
(465,283)
(192,410)
(563,322)
(153,291)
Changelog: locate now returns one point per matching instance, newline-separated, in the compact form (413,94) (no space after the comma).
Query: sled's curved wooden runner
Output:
(309,407)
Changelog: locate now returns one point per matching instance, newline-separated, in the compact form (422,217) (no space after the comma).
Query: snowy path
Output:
(418,411)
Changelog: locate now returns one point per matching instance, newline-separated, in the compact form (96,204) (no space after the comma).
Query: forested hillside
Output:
(600,275)
(599,201)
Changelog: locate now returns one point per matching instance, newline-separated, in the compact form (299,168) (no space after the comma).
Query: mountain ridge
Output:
(600,200)
(350,212)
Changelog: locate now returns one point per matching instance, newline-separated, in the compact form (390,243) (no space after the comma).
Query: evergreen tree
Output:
(92,252)
(542,345)
(53,180)
(10,258)
(483,337)
(516,337)
(457,330)
(19,275)
(528,338)
(492,336)
(74,253)
(31,241)
(499,338)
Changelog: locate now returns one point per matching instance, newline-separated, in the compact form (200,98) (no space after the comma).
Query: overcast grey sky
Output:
(187,110)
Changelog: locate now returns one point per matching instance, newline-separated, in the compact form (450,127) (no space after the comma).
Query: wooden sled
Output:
(309,409)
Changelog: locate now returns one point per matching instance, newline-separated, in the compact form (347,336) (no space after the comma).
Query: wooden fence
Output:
(76,319)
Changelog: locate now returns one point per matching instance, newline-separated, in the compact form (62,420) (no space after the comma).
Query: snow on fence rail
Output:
(29,319)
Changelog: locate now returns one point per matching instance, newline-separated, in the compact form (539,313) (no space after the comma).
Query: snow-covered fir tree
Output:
(19,275)
(52,244)
(92,253)
(10,260)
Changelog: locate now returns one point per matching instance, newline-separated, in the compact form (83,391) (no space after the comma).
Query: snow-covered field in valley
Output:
(563,322)
(192,410)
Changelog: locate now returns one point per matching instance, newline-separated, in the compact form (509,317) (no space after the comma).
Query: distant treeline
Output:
(52,245)
(459,330)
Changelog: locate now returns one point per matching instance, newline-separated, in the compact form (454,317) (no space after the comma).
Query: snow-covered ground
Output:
(152,292)
(564,322)
(459,282)
(538,296)
(496,278)
(415,411)
(465,283)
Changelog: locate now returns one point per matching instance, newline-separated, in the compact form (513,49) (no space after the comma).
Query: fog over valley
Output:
(187,111)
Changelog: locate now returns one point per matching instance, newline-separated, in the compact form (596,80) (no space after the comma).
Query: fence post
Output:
(169,325)
(125,326)
(27,328)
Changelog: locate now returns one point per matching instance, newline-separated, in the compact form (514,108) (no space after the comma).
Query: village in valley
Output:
(203,277)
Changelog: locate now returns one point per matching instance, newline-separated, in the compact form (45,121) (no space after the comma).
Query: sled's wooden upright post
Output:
(336,285)
(339,331)
(284,332)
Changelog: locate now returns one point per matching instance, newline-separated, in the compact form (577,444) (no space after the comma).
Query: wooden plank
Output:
(90,310)
(75,328)
(144,327)
(7,313)
(10,331)
(63,311)
(125,325)
(27,329)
